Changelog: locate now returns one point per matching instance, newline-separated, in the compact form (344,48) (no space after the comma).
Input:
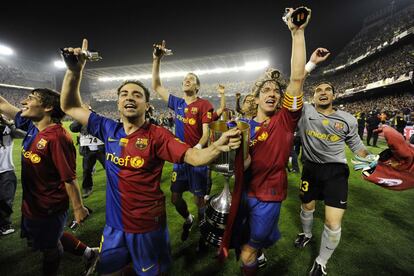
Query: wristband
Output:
(310,66)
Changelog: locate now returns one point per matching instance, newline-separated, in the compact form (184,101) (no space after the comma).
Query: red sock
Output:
(72,245)
(249,270)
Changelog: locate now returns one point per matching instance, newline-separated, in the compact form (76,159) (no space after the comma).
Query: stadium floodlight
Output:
(256,65)
(248,66)
(60,64)
(6,51)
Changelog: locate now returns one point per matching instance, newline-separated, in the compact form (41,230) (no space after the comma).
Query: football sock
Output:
(330,240)
(306,217)
(72,245)
(249,269)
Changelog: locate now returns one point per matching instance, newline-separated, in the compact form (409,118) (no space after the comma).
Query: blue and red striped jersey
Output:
(135,202)
(48,161)
(189,119)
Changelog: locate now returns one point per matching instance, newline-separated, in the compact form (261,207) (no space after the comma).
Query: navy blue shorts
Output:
(188,178)
(263,218)
(149,252)
(43,233)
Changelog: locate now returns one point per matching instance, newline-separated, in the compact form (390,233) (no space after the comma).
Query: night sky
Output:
(124,33)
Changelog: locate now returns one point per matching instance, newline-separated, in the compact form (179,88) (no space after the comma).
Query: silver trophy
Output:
(213,224)
(91,56)
(71,59)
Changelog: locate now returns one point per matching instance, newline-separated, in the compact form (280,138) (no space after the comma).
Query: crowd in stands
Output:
(376,34)
(390,106)
(14,96)
(14,75)
(394,63)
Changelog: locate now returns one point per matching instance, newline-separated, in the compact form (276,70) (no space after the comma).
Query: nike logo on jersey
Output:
(148,268)
(342,202)
(179,108)
(112,139)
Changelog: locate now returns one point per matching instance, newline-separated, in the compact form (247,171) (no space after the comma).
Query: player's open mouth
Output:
(130,106)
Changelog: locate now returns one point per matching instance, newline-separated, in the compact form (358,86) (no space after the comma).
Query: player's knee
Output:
(200,202)
(308,207)
(176,198)
(248,255)
(332,225)
(306,213)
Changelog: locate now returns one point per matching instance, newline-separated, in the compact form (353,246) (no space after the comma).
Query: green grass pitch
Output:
(377,233)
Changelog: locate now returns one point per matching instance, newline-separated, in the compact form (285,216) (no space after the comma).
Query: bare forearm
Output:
(74,195)
(298,60)
(70,95)
(156,81)
(7,108)
(196,157)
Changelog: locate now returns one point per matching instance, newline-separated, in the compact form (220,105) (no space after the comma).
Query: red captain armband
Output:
(293,103)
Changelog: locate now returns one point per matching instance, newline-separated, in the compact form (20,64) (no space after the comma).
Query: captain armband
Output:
(293,103)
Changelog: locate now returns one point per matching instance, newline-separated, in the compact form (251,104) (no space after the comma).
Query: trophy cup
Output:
(299,15)
(71,59)
(213,224)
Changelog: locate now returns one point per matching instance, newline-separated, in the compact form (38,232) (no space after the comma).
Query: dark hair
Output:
(137,82)
(50,98)
(324,82)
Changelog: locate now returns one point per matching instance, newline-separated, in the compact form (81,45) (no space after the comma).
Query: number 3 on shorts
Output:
(305,186)
(173,176)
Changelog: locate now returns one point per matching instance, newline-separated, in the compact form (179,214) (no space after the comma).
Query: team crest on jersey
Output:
(194,110)
(41,144)
(325,122)
(192,121)
(339,126)
(209,115)
(141,143)
(263,137)
(186,110)
(178,139)
(137,162)
(123,142)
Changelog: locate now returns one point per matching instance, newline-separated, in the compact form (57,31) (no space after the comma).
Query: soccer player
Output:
(136,227)
(8,180)
(278,111)
(248,109)
(324,132)
(193,115)
(48,174)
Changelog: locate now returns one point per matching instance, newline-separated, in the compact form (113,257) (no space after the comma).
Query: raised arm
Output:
(70,99)
(157,55)
(238,107)
(298,60)
(221,90)
(7,108)
(318,56)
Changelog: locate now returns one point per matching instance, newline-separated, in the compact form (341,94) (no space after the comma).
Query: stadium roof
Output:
(231,60)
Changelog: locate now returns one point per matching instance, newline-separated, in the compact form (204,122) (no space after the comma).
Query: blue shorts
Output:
(188,178)
(43,233)
(149,252)
(263,218)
